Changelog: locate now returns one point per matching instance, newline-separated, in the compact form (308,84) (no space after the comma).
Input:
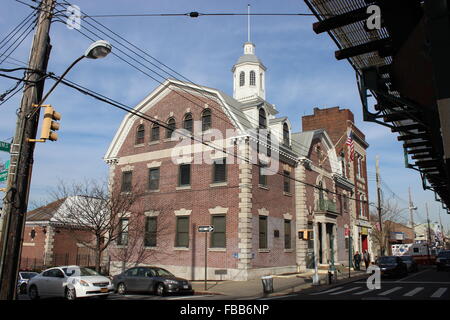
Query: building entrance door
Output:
(364,243)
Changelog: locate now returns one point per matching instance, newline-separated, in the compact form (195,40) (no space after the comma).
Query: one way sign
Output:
(205,228)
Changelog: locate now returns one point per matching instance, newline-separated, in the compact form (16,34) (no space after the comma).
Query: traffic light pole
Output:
(18,186)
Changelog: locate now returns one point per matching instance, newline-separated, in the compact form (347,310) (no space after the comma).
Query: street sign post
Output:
(206,230)
(5,146)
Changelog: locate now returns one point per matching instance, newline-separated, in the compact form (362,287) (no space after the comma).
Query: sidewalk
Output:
(282,285)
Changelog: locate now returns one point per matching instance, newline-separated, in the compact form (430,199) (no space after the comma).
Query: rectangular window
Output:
(122,238)
(126,181)
(287,181)
(220,171)
(153,179)
(218,237)
(262,232)
(262,177)
(150,232)
(287,234)
(185,175)
(182,232)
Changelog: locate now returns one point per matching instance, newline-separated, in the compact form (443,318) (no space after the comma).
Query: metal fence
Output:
(35,264)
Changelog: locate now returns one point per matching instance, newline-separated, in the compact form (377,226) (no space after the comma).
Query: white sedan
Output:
(70,282)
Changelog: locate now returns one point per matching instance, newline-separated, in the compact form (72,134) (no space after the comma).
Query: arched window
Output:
(155,132)
(206,120)
(342,161)
(241,78)
(187,123)
(140,134)
(286,134)
(171,124)
(252,78)
(269,145)
(262,118)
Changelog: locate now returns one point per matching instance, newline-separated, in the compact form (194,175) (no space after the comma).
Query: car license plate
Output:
(102,290)
(185,286)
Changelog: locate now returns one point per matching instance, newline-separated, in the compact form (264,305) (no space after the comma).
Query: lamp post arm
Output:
(60,78)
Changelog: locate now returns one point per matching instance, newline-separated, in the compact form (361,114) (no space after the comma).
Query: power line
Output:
(194,14)
(139,114)
(293,142)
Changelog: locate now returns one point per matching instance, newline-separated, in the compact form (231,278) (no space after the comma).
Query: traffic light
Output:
(48,125)
(305,234)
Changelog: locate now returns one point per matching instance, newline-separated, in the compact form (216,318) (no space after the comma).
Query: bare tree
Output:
(146,238)
(93,213)
(390,216)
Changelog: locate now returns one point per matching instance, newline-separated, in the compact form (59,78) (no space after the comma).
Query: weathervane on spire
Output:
(248,22)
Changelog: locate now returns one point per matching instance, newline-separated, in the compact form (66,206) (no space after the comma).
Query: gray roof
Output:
(302,143)
(278,120)
(248,58)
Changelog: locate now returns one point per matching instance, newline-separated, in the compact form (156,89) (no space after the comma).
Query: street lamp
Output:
(97,50)
(19,178)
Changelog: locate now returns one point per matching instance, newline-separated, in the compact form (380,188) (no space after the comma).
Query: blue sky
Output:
(302,74)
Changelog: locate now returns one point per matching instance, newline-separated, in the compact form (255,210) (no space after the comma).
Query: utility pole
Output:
(18,186)
(411,214)
(429,234)
(377,164)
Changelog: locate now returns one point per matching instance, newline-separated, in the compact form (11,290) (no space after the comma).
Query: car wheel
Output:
(121,289)
(23,288)
(71,294)
(160,290)
(33,293)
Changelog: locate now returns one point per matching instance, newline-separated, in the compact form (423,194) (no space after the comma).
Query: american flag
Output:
(351,146)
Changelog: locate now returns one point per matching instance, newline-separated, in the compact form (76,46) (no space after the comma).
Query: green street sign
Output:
(7,165)
(3,175)
(5,146)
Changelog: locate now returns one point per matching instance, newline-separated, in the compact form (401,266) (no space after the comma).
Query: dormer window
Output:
(140,134)
(262,118)
(187,123)
(242,79)
(252,78)
(286,134)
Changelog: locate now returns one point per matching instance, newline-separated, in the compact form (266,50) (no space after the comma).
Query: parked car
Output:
(70,282)
(443,260)
(150,279)
(22,281)
(392,266)
(410,263)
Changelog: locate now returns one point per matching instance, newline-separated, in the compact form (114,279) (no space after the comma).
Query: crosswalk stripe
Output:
(385,293)
(363,292)
(413,292)
(328,291)
(439,292)
(344,291)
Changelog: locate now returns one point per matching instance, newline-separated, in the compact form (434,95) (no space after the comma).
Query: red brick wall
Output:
(32,255)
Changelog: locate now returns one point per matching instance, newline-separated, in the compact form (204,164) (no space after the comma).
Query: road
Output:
(426,284)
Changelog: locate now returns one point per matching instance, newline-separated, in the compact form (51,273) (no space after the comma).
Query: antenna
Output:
(248,22)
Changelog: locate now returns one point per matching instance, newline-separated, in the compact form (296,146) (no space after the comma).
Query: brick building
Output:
(46,243)
(339,124)
(236,166)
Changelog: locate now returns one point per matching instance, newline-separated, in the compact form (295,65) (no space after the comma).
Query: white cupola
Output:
(249,76)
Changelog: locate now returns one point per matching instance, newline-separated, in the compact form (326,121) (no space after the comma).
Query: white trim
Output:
(154,164)
(287,216)
(218,210)
(127,168)
(151,213)
(182,212)
(263,212)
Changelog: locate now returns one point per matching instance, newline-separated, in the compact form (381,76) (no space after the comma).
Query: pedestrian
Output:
(366,258)
(357,260)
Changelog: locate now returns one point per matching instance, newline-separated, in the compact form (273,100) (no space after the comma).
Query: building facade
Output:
(199,157)
(340,125)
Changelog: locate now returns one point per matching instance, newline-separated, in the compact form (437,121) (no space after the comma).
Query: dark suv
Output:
(443,260)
